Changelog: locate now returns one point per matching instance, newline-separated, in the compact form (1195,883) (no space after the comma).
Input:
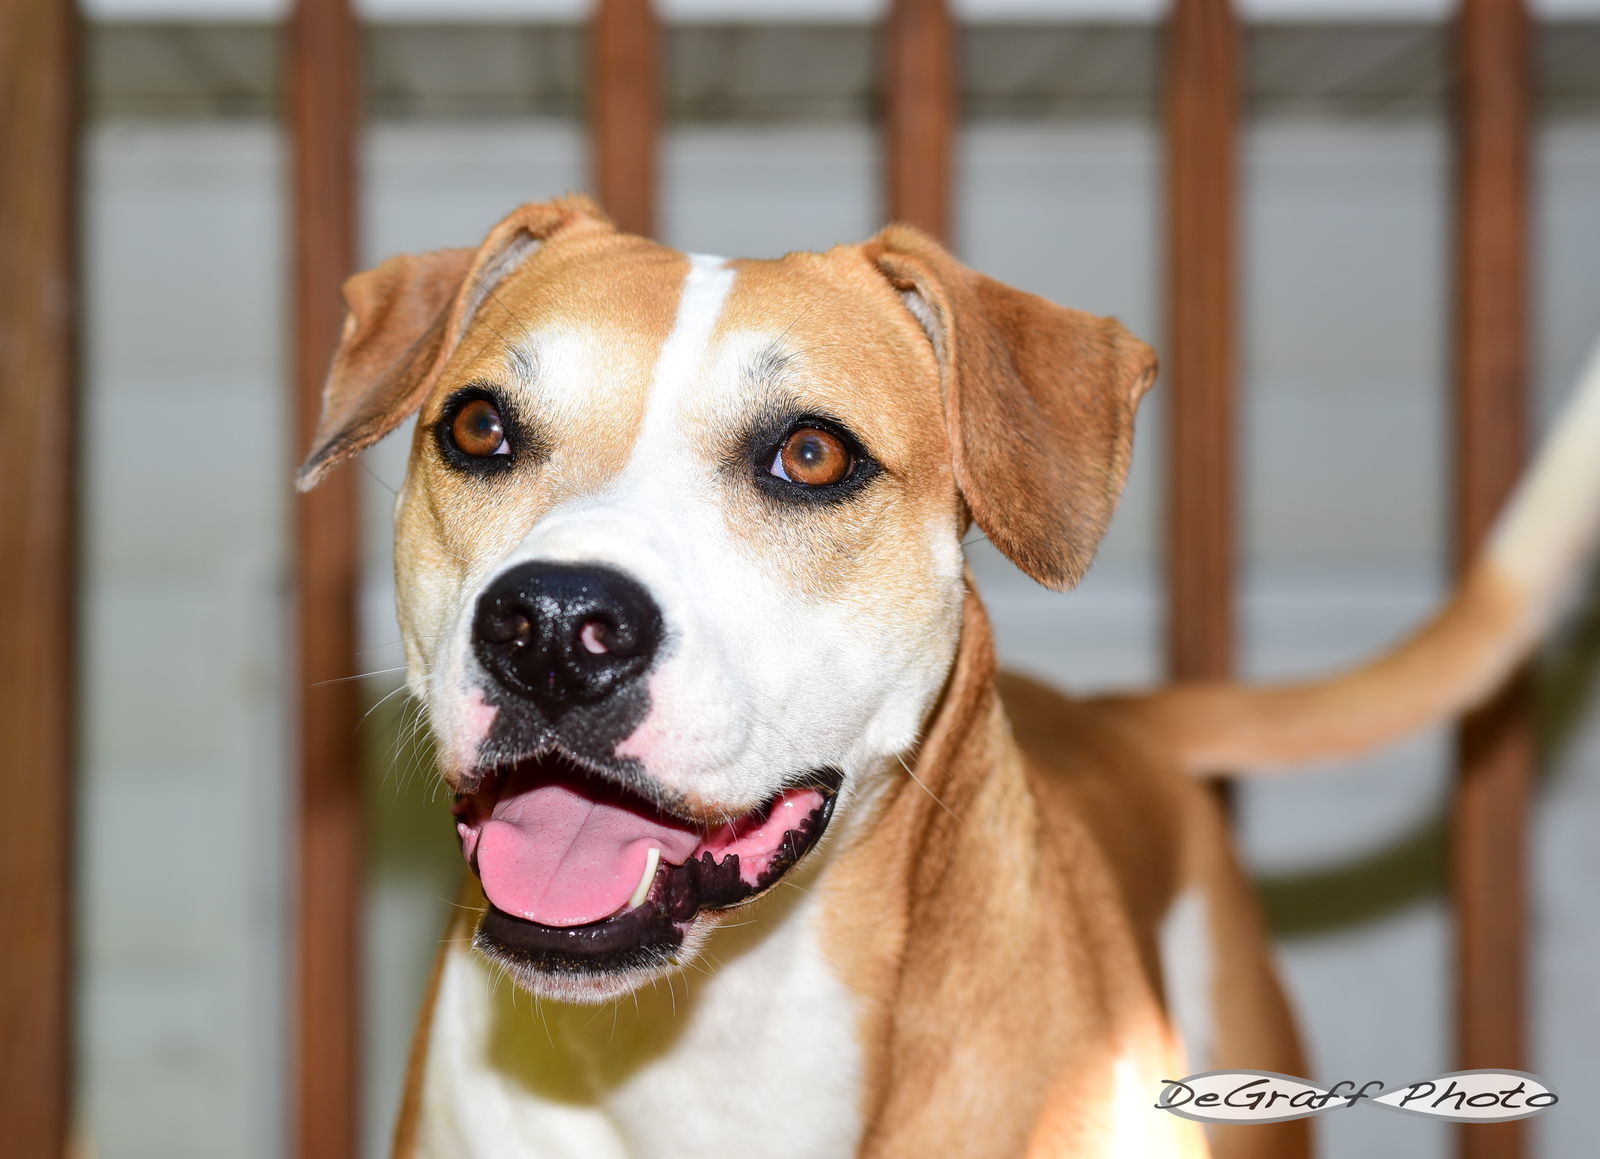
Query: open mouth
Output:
(586,876)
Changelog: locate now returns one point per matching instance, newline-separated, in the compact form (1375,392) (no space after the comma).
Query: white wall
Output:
(184,452)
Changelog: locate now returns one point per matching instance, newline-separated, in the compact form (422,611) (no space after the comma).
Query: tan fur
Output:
(461,522)
(1003,934)
(881,382)
(995,904)
(1039,401)
(1444,668)
(393,333)
(1509,598)
(405,320)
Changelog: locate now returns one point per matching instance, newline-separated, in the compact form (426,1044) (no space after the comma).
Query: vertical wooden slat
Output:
(625,110)
(38,441)
(919,114)
(1202,102)
(1496,744)
(324,112)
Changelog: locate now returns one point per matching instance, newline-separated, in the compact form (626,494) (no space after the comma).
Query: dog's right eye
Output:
(478,430)
(477,435)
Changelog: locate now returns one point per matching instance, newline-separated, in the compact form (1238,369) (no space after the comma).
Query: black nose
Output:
(565,634)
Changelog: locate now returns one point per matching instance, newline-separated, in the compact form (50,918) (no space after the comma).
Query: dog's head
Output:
(679,548)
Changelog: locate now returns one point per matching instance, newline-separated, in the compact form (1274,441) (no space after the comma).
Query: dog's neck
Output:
(931,844)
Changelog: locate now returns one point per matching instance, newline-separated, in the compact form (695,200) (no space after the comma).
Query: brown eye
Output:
(813,457)
(478,431)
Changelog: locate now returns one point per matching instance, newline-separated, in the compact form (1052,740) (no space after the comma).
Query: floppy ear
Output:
(1039,401)
(392,334)
(405,318)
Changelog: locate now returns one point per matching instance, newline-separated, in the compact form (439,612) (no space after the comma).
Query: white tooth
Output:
(642,890)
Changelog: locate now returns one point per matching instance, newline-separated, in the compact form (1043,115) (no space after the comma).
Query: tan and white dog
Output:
(787,868)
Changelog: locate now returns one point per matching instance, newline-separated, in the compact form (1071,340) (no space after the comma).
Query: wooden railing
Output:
(1202,112)
(324,101)
(38,445)
(1495,758)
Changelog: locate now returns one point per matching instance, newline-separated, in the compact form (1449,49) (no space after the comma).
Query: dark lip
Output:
(637,939)
(650,935)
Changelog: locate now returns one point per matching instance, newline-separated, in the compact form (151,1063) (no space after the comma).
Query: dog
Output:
(773,859)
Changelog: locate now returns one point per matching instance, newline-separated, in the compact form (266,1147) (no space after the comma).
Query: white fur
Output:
(1135,1130)
(757,1057)
(1550,525)
(1188,964)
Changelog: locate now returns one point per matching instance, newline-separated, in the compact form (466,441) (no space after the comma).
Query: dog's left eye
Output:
(478,430)
(813,456)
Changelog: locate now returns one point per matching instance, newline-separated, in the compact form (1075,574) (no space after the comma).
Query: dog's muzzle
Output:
(589,867)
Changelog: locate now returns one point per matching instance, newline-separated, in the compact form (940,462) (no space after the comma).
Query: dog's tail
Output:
(1505,603)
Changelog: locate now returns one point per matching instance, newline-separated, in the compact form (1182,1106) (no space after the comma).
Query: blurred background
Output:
(184,917)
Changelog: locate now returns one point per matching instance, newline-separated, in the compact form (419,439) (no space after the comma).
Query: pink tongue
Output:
(557,855)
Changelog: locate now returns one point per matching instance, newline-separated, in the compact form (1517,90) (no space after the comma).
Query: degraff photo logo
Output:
(1264,1096)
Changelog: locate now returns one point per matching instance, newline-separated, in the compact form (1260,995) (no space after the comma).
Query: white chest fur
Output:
(752,1052)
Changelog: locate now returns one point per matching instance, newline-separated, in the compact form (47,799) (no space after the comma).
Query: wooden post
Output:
(1200,361)
(324,106)
(39,437)
(920,107)
(625,110)
(1495,744)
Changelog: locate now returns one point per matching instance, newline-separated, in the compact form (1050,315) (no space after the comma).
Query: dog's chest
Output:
(758,1055)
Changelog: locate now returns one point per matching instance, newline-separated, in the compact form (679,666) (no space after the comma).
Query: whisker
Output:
(925,788)
(373,475)
(488,291)
(358,676)
(394,643)
(382,700)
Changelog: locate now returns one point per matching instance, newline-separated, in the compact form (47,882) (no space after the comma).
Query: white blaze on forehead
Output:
(705,292)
